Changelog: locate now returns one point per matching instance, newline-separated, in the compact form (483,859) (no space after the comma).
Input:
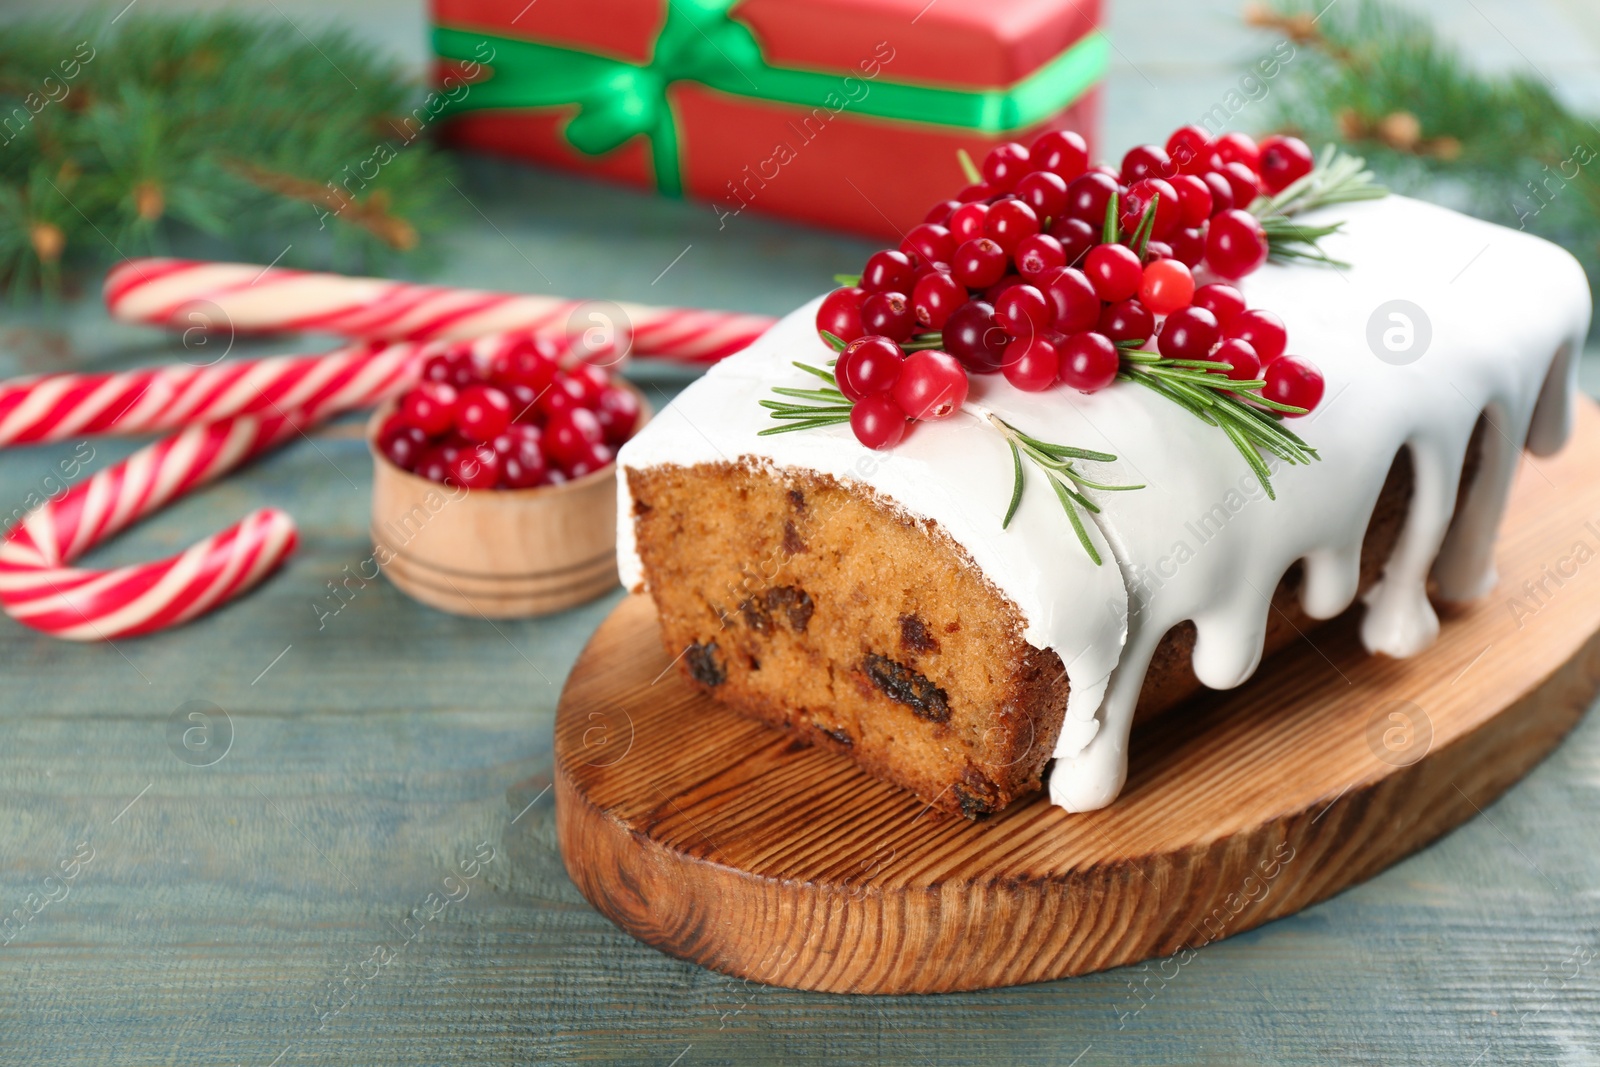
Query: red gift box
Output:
(847,113)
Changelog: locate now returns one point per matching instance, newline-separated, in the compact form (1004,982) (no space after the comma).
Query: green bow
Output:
(700,42)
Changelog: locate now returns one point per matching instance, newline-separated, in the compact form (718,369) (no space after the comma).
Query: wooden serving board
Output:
(721,840)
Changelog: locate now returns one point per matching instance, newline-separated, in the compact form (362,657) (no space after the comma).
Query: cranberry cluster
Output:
(1017,275)
(515,420)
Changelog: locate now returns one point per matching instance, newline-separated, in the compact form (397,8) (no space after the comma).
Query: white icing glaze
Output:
(1202,542)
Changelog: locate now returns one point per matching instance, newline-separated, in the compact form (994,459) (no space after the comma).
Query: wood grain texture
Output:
(730,844)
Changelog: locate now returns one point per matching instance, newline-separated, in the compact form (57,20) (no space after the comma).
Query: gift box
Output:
(845,113)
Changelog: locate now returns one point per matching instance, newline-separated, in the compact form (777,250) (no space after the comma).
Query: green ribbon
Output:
(700,42)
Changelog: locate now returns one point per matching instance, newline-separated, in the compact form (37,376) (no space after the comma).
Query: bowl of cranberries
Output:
(494,479)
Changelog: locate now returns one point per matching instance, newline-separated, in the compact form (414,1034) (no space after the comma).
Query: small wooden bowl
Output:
(496,553)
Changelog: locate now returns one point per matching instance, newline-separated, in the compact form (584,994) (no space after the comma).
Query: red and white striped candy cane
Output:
(162,292)
(39,588)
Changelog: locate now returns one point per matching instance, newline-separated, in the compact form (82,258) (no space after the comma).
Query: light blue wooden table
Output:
(242,900)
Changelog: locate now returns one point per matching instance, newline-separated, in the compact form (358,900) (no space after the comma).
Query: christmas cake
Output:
(1090,441)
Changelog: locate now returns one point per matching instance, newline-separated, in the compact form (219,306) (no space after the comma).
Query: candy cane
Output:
(181,293)
(39,588)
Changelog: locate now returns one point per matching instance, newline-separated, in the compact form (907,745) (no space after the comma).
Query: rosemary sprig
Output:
(1056,461)
(1338,178)
(1214,399)
(822,407)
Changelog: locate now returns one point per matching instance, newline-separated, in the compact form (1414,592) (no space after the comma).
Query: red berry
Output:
(568,435)
(402,444)
(1188,334)
(1045,192)
(483,413)
(888,315)
(618,414)
(1241,357)
(932,386)
(1188,246)
(878,422)
(1167,286)
(1037,254)
(1242,183)
(1004,165)
(1088,195)
(978,264)
(1031,364)
(966,222)
(888,271)
(939,214)
(933,243)
(1284,161)
(530,361)
(477,467)
(1189,148)
(563,395)
(431,407)
(1073,299)
(1008,222)
(976,191)
(1264,330)
(1223,301)
(1295,381)
(1114,271)
(454,366)
(434,464)
(1126,320)
(593,458)
(1235,244)
(1194,199)
(1076,237)
(1239,148)
(992,293)
(592,379)
(1140,195)
(1154,250)
(518,437)
(1089,362)
(868,365)
(1060,152)
(840,313)
(1023,311)
(973,337)
(522,462)
(937,294)
(1221,191)
(1145,161)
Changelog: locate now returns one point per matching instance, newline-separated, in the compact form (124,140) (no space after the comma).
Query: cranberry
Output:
(1076,237)
(593,458)
(931,386)
(522,462)
(1004,165)
(1154,250)
(530,361)
(517,439)
(1114,271)
(1235,244)
(1188,334)
(1045,192)
(454,366)
(1190,148)
(1167,286)
(483,413)
(1008,222)
(1031,365)
(1295,381)
(564,394)
(1037,254)
(888,315)
(1023,311)
(568,435)
(973,337)
(1088,196)
(1140,195)
(430,407)
(939,214)
(1221,191)
(515,474)
(888,271)
(1145,161)
(524,399)
(868,365)
(1239,148)
(1089,362)
(1242,183)
(1241,357)
(966,223)
(1061,152)
(878,422)
(1223,301)
(402,444)
(434,464)
(618,414)
(935,297)
(992,293)
(1194,199)
(976,191)
(1126,320)
(592,379)
(978,264)
(933,243)
(1284,161)
(840,313)
(477,467)
(1188,246)
(1073,299)
(1264,330)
